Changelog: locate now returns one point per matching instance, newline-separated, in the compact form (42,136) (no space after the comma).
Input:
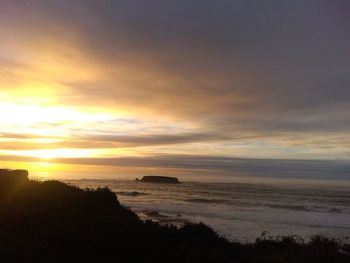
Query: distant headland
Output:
(158,179)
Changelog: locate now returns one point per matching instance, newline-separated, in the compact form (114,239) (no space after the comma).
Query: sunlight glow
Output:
(48,154)
(49,122)
(24,115)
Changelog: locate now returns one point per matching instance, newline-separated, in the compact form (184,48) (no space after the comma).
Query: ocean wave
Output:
(153,213)
(308,209)
(206,200)
(290,207)
(335,210)
(130,193)
(163,219)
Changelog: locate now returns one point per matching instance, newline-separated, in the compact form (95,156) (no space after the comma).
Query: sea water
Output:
(238,211)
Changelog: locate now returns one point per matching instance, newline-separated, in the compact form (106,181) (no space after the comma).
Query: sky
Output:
(186,87)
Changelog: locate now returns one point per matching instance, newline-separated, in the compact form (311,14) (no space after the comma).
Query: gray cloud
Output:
(235,67)
(159,139)
(24,141)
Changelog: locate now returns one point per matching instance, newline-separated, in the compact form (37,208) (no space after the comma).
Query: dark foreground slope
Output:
(53,222)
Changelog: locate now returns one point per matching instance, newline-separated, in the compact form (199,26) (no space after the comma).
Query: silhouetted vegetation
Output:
(54,222)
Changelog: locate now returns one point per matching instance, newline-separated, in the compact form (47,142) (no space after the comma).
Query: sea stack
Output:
(158,179)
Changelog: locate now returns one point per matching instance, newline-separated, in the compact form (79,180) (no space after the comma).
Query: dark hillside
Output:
(54,222)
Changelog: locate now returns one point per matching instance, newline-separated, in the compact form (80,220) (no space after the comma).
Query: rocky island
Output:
(158,179)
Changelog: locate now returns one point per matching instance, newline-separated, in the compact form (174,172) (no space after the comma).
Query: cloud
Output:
(234,68)
(35,142)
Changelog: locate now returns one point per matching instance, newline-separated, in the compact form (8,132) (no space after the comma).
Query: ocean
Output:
(238,211)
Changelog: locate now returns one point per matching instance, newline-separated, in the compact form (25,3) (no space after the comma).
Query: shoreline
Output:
(91,225)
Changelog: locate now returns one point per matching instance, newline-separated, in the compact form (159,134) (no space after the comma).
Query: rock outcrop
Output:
(159,179)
